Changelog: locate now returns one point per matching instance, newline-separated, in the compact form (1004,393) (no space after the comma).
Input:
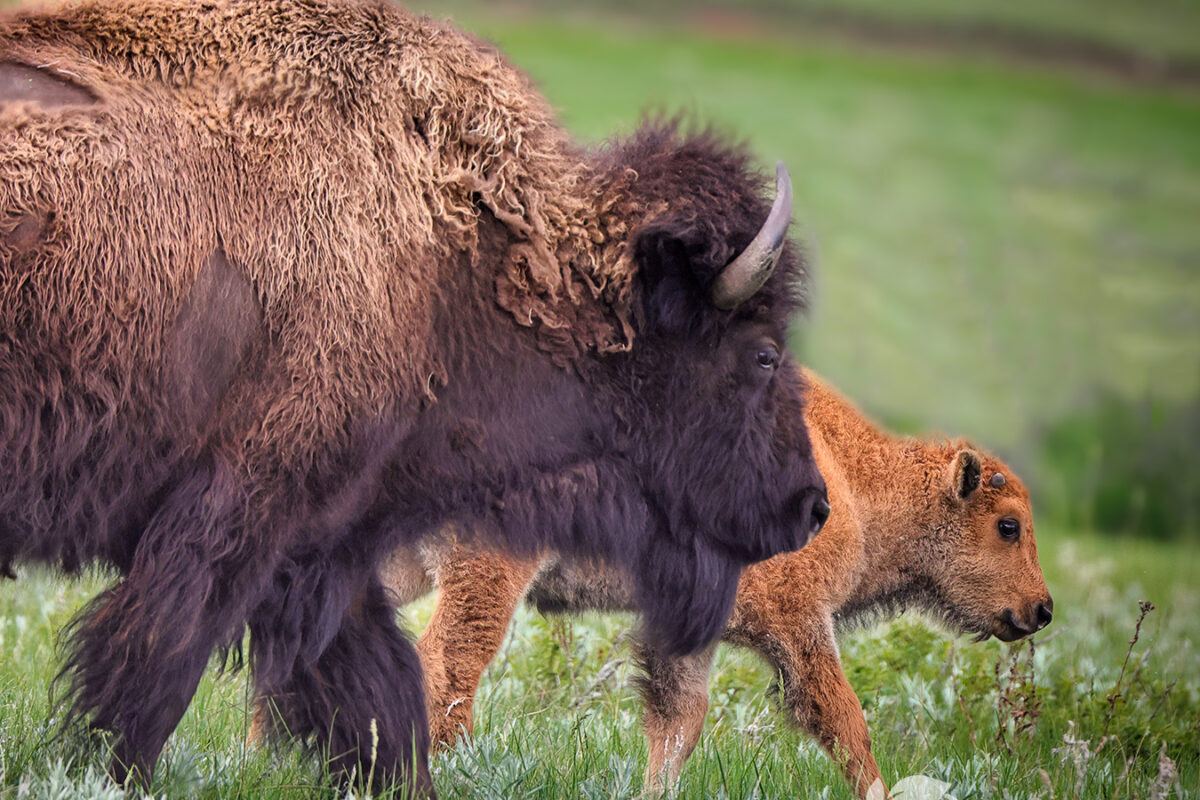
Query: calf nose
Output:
(1043,613)
(820,513)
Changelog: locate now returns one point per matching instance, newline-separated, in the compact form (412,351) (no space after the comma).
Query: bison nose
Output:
(820,513)
(1043,613)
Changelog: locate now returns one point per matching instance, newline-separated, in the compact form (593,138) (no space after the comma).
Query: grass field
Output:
(556,716)
(995,248)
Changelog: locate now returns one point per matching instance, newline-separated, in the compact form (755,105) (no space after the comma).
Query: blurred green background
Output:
(1002,202)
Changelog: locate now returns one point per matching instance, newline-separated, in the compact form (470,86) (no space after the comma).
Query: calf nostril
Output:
(1011,619)
(820,513)
(1043,613)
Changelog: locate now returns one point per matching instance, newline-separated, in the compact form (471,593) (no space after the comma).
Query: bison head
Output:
(682,456)
(708,398)
(987,577)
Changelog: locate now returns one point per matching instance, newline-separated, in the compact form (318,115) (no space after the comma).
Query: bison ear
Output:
(673,299)
(678,259)
(966,471)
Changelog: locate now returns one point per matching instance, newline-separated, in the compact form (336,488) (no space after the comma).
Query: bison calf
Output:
(286,284)
(932,527)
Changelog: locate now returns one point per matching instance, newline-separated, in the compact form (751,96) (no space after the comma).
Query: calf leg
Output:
(675,697)
(479,594)
(820,699)
(361,697)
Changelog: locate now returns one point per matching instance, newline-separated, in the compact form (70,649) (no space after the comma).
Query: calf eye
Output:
(768,357)
(1010,528)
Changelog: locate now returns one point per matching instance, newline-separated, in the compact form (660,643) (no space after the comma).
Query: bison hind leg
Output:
(361,700)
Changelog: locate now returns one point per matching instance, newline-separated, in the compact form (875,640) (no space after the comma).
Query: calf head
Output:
(987,578)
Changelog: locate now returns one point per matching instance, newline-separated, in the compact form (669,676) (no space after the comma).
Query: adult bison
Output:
(286,284)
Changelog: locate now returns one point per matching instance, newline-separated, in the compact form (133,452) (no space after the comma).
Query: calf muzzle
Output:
(1037,616)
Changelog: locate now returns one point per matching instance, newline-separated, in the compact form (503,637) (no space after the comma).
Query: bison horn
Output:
(746,274)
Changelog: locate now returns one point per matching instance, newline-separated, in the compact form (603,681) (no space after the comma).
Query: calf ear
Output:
(966,470)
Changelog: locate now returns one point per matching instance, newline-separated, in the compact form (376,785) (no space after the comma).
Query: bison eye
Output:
(1010,528)
(767,357)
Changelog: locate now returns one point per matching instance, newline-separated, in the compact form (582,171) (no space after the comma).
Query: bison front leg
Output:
(675,697)
(133,675)
(138,650)
(360,696)
(479,594)
(821,700)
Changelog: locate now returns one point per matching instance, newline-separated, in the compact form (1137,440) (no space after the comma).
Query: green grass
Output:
(994,247)
(1156,28)
(557,717)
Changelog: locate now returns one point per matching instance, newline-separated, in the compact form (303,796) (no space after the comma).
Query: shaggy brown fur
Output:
(285,285)
(914,525)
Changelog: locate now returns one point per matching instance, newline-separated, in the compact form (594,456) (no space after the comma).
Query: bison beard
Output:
(286,285)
